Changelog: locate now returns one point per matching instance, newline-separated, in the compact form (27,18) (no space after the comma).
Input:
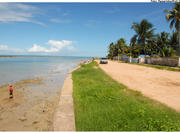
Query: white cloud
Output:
(56,20)
(55,46)
(6,48)
(24,7)
(37,48)
(16,50)
(60,44)
(15,12)
(3,47)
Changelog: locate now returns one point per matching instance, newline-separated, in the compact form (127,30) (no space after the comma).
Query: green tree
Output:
(163,40)
(163,45)
(167,52)
(174,40)
(153,47)
(144,33)
(174,17)
(134,49)
(111,50)
(121,46)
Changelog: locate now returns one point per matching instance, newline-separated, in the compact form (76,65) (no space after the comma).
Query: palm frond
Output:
(169,17)
(172,23)
(165,11)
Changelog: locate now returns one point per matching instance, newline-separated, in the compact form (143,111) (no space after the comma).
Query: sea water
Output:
(37,102)
(13,69)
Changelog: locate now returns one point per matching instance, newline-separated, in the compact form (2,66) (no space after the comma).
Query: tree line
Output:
(146,42)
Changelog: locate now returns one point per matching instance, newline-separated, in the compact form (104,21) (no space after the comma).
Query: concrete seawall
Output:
(64,119)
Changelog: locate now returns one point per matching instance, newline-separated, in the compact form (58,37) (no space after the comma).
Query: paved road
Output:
(161,85)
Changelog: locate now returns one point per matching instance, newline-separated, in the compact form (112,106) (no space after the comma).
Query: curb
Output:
(64,119)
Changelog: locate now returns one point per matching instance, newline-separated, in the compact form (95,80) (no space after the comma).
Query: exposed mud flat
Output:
(33,105)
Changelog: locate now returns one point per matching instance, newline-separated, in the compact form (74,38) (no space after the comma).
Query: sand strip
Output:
(160,85)
(64,115)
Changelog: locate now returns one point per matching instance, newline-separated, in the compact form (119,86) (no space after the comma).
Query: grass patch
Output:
(101,103)
(159,67)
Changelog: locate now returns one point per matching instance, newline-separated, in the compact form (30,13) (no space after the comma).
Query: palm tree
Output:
(144,33)
(163,44)
(121,46)
(111,50)
(174,17)
(134,50)
(163,39)
(174,40)
(133,41)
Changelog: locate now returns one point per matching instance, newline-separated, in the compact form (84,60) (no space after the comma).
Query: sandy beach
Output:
(160,85)
(33,105)
(37,83)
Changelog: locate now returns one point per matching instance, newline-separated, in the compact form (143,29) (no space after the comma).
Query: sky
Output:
(73,29)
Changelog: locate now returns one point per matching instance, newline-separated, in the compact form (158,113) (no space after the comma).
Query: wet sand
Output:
(33,105)
(160,85)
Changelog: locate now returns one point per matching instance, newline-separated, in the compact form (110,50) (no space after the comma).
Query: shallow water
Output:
(34,101)
(13,69)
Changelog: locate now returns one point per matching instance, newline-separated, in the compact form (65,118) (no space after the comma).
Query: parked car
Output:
(104,61)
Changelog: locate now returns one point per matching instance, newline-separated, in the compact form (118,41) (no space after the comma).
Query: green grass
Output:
(158,67)
(101,103)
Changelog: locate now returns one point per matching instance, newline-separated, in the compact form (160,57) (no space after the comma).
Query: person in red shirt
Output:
(10,91)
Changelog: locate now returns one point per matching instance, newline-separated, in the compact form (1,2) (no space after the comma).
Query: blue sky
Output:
(72,29)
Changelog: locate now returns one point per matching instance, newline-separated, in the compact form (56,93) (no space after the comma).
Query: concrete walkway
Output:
(64,119)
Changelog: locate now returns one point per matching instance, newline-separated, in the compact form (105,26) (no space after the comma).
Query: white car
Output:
(104,61)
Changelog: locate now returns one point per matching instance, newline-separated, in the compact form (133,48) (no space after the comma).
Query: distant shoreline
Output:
(7,56)
(41,56)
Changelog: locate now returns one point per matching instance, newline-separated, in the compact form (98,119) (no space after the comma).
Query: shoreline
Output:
(34,104)
(40,56)
(64,117)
